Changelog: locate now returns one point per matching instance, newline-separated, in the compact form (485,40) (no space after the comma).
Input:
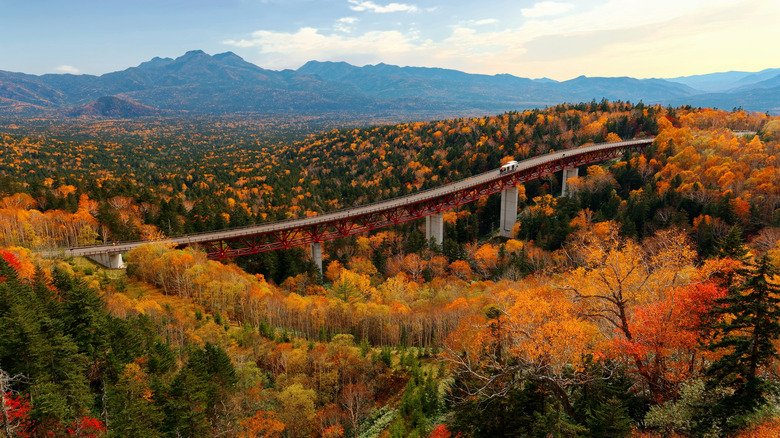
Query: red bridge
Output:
(429,203)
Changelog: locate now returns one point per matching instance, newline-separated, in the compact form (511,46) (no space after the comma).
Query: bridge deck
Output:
(546,164)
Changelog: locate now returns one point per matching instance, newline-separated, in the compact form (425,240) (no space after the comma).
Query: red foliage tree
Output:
(666,334)
(87,427)
(441,431)
(12,261)
(15,415)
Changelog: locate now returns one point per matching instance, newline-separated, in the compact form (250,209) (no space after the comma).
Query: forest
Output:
(646,303)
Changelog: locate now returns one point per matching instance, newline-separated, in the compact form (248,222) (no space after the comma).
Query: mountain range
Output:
(198,83)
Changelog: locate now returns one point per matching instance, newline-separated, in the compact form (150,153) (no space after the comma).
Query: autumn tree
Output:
(335,431)
(14,409)
(461,269)
(414,265)
(666,334)
(486,259)
(615,276)
(87,427)
(355,399)
(351,287)
(263,424)
(297,410)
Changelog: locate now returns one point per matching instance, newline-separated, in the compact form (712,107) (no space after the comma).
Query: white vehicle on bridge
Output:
(508,167)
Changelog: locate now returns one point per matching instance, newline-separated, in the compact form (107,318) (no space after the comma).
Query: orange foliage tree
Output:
(263,424)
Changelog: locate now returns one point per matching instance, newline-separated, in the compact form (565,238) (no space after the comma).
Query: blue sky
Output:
(556,39)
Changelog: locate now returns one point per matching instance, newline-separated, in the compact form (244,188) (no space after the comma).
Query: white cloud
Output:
(68,69)
(290,50)
(240,43)
(664,38)
(370,6)
(545,9)
(344,24)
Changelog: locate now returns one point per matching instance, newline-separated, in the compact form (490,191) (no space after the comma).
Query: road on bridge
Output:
(533,167)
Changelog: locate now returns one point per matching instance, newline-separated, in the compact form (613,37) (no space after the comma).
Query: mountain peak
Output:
(156,62)
(327,69)
(314,63)
(193,53)
(227,55)
(233,60)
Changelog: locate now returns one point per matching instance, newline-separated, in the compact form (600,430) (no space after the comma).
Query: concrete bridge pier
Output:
(109,260)
(568,173)
(508,211)
(316,255)
(434,228)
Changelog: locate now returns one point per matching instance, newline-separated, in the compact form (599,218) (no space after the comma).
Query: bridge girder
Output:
(303,235)
(342,223)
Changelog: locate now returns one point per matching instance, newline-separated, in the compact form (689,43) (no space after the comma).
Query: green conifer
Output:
(749,323)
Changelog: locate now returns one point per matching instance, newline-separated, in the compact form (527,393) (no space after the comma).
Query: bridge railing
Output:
(370,208)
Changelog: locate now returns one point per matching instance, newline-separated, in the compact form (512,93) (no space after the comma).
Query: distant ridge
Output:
(198,83)
(726,81)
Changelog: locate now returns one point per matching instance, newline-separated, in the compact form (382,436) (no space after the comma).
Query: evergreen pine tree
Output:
(430,396)
(133,412)
(192,400)
(386,357)
(609,419)
(553,422)
(749,323)
(732,244)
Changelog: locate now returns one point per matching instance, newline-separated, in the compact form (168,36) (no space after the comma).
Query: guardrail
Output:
(541,162)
